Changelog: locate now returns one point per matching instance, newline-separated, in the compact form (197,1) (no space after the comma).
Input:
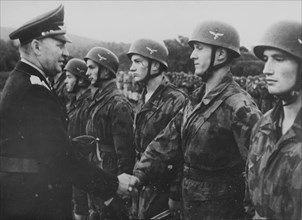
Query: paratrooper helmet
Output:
(218,34)
(285,36)
(150,49)
(104,57)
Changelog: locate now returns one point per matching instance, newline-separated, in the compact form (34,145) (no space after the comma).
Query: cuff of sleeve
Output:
(140,175)
(107,186)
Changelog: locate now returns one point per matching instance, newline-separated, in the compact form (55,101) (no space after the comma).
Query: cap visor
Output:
(62,37)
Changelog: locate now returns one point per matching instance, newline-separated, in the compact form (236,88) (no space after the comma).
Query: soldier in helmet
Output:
(274,165)
(76,83)
(160,102)
(211,133)
(58,85)
(110,119)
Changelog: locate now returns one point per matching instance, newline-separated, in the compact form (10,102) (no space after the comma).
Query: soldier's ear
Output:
(107,72)
(221,55)
(155,67)
(80,82)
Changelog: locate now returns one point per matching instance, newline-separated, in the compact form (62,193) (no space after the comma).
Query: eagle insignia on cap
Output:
(151,50)
(216,34)
(101,57)
(300,41)
(81,71)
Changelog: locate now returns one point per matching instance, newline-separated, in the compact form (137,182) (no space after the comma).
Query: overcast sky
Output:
(126,21)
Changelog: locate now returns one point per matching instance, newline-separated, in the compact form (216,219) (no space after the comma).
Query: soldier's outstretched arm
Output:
(161,152)
(91,178)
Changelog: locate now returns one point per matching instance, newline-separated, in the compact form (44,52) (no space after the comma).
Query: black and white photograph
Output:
(172,110)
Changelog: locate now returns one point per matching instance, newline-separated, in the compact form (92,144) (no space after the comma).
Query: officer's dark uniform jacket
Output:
(151,118)
(111,120)
(212,135)
(37,163)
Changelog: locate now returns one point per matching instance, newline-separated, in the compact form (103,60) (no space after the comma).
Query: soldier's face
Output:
(70,82)
(139,67)
(201,56)
(281,71)
(51,56)
(92,71)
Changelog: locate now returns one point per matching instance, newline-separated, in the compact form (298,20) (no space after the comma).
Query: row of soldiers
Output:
(210,155)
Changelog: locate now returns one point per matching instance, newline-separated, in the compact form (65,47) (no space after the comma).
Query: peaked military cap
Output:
(49,24)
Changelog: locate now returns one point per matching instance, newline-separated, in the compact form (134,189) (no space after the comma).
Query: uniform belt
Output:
(197,174)
(18,165)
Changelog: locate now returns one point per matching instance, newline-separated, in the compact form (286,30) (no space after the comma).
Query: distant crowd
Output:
(188,82)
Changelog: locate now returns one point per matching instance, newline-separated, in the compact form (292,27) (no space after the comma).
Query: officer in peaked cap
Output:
(38,165)
(50,24)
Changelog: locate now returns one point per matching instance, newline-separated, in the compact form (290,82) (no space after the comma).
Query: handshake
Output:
(126,184)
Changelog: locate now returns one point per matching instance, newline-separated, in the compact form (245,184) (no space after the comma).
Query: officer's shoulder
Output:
(17,83)
(15,87)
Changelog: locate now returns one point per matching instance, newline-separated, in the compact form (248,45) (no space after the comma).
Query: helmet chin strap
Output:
(209,72)
(76,88)
(100,80)
(291,96)
(145,80)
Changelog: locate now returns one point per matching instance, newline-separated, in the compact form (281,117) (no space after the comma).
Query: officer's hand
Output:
(126,184)
(124,180)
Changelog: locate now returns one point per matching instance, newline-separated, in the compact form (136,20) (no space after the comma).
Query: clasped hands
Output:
(126,184)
